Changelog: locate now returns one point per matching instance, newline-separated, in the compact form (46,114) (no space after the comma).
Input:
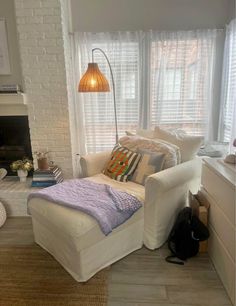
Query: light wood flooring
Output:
(143,278)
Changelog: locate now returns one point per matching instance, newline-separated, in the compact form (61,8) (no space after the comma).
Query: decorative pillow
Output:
(122,163)
(130,133)
(150,134)
(189,145)
(171,152)
(150,163)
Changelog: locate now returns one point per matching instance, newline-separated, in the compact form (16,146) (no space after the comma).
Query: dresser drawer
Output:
(220,191)
(222,262)
(220,223)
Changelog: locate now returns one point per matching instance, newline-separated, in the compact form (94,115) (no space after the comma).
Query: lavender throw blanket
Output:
(108,206)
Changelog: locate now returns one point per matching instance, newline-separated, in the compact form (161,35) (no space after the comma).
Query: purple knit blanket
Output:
(107,205)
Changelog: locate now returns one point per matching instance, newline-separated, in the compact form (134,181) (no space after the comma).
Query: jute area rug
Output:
(29,276)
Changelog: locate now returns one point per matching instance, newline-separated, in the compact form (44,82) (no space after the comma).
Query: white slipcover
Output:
(75,239)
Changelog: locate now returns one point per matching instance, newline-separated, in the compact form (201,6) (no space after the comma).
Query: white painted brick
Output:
(53,34)
(18,5)
(25,28)
(57,11)
(45,12)
(43,65)
(51,3)
(47,42)
(58,27)
(36,50)
(22,36)
(30,4)
(60,57)
(25,50)
(52,19)
(30,42)
(24,12)
(34,34)
(34,20)
(54,50)
(21,20)
(47,58)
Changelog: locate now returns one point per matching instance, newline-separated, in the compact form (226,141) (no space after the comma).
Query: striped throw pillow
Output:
(122,163)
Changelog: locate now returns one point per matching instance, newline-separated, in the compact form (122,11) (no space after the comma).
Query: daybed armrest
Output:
(94,163)
(165,195)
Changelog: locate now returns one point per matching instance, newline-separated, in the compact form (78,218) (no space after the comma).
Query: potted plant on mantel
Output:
(22,167)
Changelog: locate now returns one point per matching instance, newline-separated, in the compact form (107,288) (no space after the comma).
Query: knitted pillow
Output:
(122,163)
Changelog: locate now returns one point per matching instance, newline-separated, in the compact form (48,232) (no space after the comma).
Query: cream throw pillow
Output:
(171,152)
(142,132)
(188,145)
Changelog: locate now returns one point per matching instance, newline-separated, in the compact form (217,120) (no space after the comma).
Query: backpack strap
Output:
(174,260)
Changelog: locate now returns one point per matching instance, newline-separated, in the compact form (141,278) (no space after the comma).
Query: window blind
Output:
(181,73)
(161,78)
(98,107)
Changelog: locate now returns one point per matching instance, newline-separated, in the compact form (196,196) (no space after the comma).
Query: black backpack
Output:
(185,235)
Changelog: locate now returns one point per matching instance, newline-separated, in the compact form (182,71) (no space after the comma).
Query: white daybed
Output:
(76,240)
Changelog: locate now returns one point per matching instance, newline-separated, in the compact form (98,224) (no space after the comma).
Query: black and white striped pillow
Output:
(122,163)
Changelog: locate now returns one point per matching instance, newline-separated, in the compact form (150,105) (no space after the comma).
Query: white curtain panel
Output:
(181,80)
(96,111)
(227,130)
(161,78)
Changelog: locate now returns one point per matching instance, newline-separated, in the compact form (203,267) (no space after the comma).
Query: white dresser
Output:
(219,188)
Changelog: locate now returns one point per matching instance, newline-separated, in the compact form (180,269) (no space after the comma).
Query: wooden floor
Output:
(144,278)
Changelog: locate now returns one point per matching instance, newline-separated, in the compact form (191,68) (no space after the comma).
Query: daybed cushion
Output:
(188,145)
(171,151)
(77,224)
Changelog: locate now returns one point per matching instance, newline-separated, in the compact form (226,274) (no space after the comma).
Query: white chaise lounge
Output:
(75,239)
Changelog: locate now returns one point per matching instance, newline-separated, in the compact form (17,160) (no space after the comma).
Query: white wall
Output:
(113,15)
(43,64)
(7,12)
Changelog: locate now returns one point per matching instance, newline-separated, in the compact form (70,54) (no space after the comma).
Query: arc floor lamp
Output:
(94,81)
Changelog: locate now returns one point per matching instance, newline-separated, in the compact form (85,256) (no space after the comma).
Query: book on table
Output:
(46,178)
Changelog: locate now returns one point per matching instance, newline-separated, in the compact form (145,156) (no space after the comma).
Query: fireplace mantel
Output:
(13,105)
(13,99)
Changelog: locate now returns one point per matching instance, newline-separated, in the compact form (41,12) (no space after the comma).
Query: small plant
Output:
(41,155)
(22,164)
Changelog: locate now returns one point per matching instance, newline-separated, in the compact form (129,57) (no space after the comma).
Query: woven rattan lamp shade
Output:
(93,80)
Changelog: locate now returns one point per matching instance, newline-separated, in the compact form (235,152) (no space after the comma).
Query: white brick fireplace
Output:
(43,67)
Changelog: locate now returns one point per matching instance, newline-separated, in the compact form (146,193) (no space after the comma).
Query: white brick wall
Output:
(43,65)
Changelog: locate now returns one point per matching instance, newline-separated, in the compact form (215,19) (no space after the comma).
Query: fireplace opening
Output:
(14,141)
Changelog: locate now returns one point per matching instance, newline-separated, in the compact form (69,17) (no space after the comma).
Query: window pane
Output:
(180,73)
(99,107)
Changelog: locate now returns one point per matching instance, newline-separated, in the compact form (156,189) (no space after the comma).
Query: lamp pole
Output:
(113,86)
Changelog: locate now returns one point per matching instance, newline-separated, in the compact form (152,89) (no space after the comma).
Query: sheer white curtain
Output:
(161,78)
(181,71)
(227,131)
(96,111)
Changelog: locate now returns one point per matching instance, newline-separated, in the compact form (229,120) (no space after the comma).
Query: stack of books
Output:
(47,178)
